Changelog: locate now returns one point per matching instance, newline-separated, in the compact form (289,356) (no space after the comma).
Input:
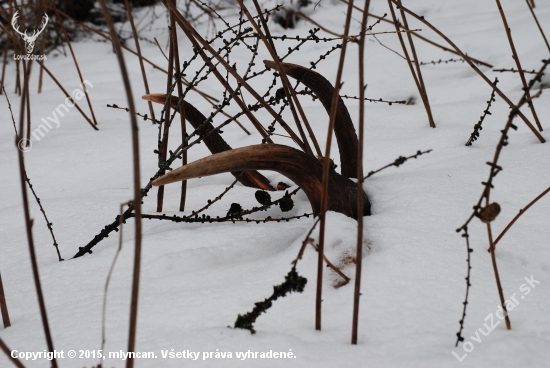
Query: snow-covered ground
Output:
(196,278)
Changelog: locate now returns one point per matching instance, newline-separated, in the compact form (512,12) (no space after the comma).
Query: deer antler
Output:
(343,125)
(303,169)
(213,141)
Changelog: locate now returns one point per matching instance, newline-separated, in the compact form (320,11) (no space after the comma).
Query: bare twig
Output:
(304,243)
(329,263)
(469,250)
(48,223)
(521,212)
(399,161)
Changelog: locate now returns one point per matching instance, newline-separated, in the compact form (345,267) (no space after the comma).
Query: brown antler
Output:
(213,141)
(343,126)
(305,170)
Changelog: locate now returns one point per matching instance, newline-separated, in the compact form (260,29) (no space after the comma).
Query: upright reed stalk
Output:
(326,167)
(137,186)
(177,66)
(4,306)
(163,149)
(495,271)
(538,24)
(140,58)
(359,247)
(60,21)
(415,73)
(8,351)
(518,64)
(29,221)
(423,91)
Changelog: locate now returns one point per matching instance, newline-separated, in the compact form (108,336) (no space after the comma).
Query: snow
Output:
(196,278)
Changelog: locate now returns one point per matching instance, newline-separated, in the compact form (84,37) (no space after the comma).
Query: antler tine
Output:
(305,170)
(343,126)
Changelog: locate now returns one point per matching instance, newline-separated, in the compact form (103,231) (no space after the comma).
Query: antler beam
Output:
(303,169)
(343,125)
(212,140)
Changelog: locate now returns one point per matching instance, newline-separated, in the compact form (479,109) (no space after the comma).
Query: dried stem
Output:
(28,105)
(163,149)
(359,245)
(423,91)
(415,74)
(41,73)
(104,309)
(67,94)
(5,62)
(29,221)
(495,270)
(469,251)
(8,351)
(137,186)
(521,212)
(4,306)
(399,161)
(140,58)
(326,168)
(531,6)
(75,61)
(329,264)
(48,223)
(304,243)
(518,64)
(478,127)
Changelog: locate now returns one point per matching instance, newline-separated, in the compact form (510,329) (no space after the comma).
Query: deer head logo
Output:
(29,40)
